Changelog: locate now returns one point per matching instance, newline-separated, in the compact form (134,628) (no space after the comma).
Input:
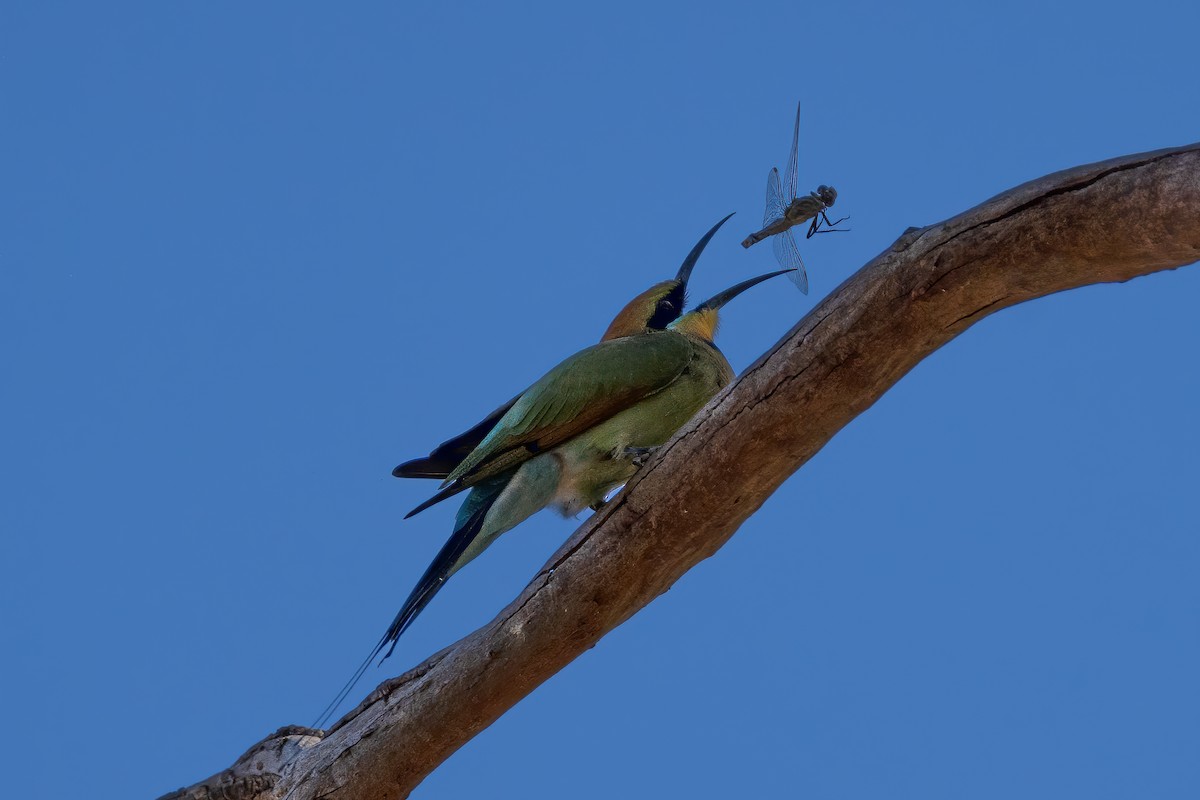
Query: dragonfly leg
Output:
(815,227)
(838,222)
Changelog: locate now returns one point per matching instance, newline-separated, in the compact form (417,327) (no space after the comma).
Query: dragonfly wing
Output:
(790,185)
(789,257)
(775,203)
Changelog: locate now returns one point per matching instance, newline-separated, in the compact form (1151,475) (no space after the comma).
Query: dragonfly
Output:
(785,210)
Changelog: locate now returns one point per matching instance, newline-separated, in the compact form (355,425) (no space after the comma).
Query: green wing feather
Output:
(581,392)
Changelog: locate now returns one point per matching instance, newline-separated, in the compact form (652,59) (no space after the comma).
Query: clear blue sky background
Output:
(253,255)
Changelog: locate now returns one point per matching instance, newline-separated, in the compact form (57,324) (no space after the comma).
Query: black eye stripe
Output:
(666,310)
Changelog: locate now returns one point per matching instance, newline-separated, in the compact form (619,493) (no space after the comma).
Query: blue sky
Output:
(254,256)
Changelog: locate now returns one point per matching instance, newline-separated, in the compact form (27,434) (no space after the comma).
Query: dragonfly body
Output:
(802,209)
(786,209)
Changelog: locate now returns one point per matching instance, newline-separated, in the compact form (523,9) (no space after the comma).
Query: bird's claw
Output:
(638,456)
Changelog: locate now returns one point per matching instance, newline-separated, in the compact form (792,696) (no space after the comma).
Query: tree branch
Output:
(1104,222)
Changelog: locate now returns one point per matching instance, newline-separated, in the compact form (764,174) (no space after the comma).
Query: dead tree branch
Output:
(1099,223)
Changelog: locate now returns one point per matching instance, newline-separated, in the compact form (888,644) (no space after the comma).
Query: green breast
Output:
(655,419)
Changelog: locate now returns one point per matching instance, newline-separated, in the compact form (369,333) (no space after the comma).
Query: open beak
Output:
(689,263)
(718,300)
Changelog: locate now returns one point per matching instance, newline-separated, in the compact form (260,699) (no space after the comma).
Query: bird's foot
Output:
(638,456)
(599,504)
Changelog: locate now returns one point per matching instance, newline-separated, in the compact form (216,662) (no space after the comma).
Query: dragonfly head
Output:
(828,194)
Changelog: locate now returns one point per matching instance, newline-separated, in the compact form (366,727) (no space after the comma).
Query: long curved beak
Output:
(689,263)
(718,300)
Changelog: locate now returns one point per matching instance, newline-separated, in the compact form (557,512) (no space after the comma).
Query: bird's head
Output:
(703,320)
(661,304)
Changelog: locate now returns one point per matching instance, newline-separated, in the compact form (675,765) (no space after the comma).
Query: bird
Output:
(579,432)
(576,434)
(651,310)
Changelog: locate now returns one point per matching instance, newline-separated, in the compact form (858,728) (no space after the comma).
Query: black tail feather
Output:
(428,586)
(450,453)
(427,467)
(449,491)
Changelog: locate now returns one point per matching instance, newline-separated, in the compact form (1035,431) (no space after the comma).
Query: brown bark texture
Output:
(1105,222)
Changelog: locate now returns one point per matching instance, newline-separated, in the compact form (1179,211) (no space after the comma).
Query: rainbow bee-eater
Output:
(652,310)
(577,434)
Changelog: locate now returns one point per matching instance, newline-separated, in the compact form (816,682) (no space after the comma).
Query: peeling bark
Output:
(1100,223)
